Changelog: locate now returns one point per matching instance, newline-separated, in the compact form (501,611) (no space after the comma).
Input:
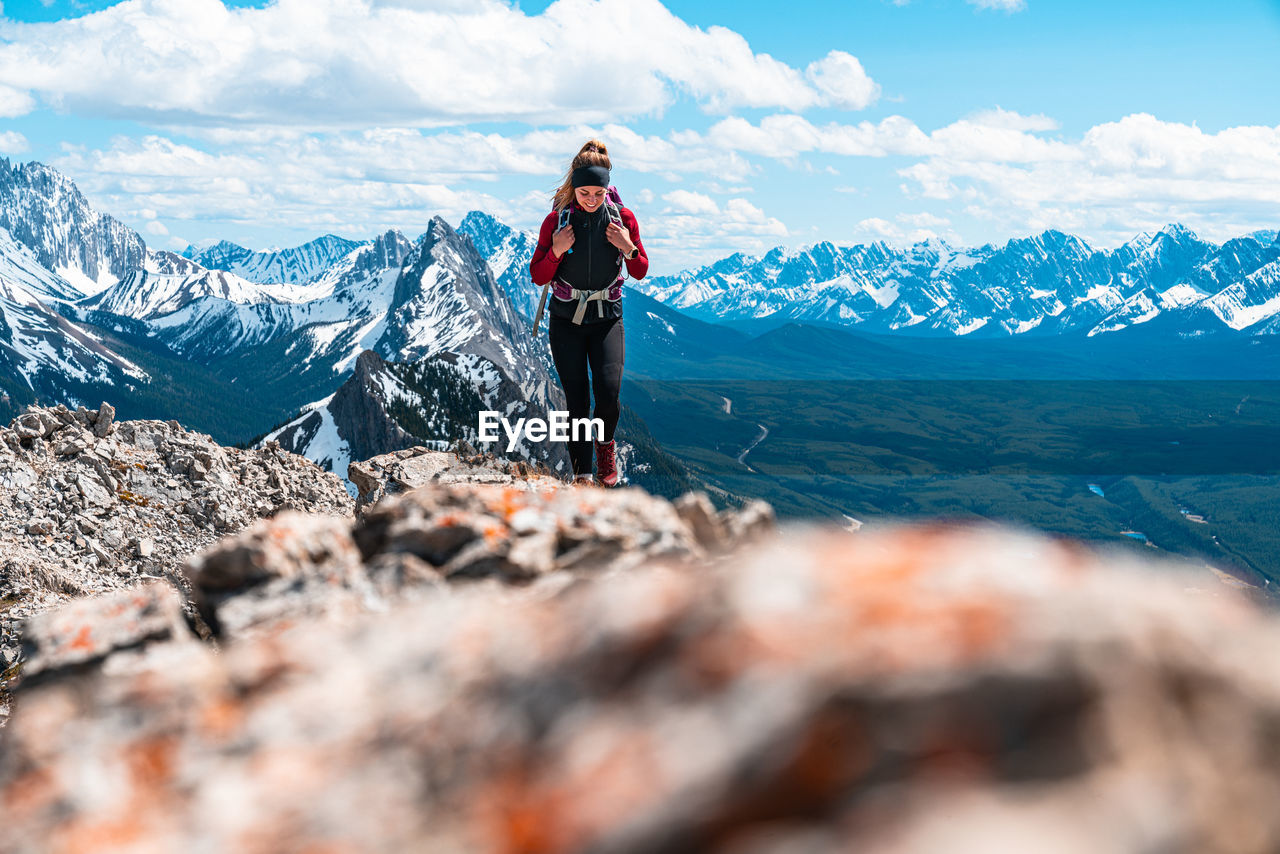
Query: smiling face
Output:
(589,198)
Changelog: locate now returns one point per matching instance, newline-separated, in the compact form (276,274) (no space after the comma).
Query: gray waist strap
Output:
(584,297)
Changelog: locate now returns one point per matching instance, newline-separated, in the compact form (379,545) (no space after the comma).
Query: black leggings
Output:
(573,347)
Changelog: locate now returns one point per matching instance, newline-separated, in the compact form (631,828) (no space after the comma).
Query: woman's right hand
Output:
(562,241)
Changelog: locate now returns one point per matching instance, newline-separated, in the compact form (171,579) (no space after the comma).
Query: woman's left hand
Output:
(619,237)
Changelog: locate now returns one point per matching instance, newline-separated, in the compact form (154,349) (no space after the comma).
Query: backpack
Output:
(613,210)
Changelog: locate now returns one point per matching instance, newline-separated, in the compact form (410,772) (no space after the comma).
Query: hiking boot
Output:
(584,480)
(607,463)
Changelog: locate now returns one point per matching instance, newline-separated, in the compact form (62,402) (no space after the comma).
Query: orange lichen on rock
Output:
(820,691)
(82,640)
(508,501)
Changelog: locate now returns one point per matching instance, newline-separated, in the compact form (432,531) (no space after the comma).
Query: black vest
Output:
(593,264)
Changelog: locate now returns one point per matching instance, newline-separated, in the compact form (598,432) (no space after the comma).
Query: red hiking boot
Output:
(607,463)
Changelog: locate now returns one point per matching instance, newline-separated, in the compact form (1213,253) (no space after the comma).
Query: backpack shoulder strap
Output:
(614,212)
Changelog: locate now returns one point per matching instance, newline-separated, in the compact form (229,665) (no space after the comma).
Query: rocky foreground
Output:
(89,504)
(512,665)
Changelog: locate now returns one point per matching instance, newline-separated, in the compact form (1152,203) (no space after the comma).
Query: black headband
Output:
(590,176)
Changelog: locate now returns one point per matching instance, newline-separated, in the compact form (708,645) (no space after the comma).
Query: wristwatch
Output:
(635,250)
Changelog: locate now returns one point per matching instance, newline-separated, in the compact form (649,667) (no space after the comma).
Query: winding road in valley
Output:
(742,457)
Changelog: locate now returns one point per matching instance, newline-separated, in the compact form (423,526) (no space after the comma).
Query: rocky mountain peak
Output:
(388,250)
(1180,232)
(438,229)
(44,210)
(294,266)
(486,231)
(368,363)
(170,263)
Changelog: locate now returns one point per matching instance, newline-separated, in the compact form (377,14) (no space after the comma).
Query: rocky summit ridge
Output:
(482,658)
(91,504)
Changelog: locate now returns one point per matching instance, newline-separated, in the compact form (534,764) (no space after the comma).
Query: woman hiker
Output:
(582,247)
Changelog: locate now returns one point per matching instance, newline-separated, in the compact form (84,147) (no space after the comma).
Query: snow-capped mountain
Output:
(43,210)
(345,314)
(447,299)
(386,406)
(405,300)
(167,282)
(508,252)
(42,352)
(431,306)
(1051,283)
(298,265)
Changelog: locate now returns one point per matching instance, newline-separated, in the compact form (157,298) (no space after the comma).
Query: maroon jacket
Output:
(592,265)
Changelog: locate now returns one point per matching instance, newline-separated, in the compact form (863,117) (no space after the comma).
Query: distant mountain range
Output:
(235,341)
(1049,284)
(296,266)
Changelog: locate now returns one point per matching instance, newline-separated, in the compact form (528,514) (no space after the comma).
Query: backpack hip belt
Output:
(583,297)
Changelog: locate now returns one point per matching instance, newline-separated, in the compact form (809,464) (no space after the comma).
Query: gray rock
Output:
(83,633)
(71,440)
(310,555)
(401,471)
(40,526)
(34,424)
(94,492)
(105,421)
(696,509)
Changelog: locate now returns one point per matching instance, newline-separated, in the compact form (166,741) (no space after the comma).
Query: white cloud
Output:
(695,230)
(1006,171)
(969,140)
(344,63)
(684,201)
(877,226)
(367,180)
(680,153)
(785,136)
(1119,177)
(1011,120)
(14,102)
(924,220)
(361,183)
(12,142)
(998,133)
(906,230)
(1002,5)
(305,188)
(842,81)
(742,212)
(156,227)
(1011,170)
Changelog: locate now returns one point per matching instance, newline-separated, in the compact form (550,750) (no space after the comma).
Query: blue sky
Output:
(734,127)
